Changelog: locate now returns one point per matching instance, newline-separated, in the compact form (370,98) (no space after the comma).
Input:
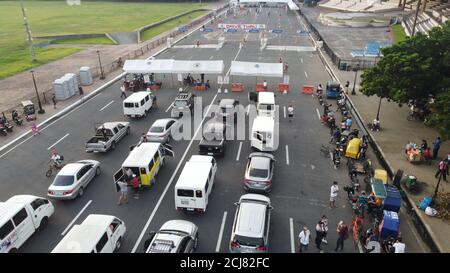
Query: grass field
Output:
(399,33)
(88,41)
(56,18)
(150,33)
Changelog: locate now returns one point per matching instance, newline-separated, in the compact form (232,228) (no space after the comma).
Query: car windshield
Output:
(265,107)
(156,129)
(260,173)
(63,180)
(180,103)
(248,241)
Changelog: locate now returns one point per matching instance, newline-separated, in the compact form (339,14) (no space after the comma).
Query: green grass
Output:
(399,33)
(48,18)
(88,41)
(150,33)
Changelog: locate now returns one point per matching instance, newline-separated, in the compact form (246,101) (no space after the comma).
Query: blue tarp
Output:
(390,226)
(393,200)
(370,50)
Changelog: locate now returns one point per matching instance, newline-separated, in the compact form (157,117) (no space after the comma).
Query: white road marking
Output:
(239,151)
(219,240)
(211,57)
(301,60)
(54,144)
(170,106)
(313,167)
(287,155)
(318,113)
(103,108)
(306,74)
(76,217)
(248,109)
(291,227)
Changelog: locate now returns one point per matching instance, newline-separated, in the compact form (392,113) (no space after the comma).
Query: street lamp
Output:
(102,76)
(354,82)
(437,188)
(379,105)
(40,111)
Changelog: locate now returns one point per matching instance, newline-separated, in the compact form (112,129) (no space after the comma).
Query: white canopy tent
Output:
(292,6)
(161,66)
(256,69)
(198,67)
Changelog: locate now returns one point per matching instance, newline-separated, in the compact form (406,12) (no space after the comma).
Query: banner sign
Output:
(276,30)
(242,26)
(207,30)
(253,30)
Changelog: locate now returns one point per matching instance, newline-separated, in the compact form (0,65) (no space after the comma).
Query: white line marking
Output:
(239,151)
(291,227)
(248,109)
(103,108)
(170,106)
(306,74)
(287,155)
(219,240)
(211,57)
(301,60)
(318,113)
(54,144)
(76,217)
(284,111)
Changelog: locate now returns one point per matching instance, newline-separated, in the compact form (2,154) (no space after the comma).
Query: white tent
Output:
(163,66)
(256,69)
(198,67)
(292,6)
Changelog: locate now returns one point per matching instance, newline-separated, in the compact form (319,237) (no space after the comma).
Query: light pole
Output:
(40,111)
(102,76)
(437,188)
(379,105)
(28,30)
(354,82)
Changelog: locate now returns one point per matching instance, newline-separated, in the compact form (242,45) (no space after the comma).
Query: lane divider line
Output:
(76,217)
(103,108)
(306,74)
(54,144)
(239,151)
(170,106)
(291,227)
(222,226)
(318,113)
(287,155)
(284,111)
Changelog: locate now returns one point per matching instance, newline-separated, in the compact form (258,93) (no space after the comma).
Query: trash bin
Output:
(411,181)
(85,76)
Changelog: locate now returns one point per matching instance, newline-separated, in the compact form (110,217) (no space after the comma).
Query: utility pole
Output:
(28,30)
(415,18)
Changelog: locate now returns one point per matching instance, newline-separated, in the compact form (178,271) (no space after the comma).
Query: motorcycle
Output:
(8,126)
(388,244)
(336,159)
(16,118)
(54,166)
(3,131)
(320,99)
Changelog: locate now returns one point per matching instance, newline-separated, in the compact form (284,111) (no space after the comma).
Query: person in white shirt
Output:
(333,194)
(303,239)
(265,84)
(290,112)
(399,246)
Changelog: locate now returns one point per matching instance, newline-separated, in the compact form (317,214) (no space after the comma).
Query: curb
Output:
(84,99)
(381,155)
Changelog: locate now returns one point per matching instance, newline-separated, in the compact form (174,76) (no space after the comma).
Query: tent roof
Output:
(256,69)
(149,66)
(292,5)
(199,67)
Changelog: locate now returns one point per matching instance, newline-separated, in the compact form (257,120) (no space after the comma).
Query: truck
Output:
(107,135)
(183,104)
(213,140)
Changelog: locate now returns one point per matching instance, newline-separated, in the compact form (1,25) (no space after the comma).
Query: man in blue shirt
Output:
(436,147)
(348,123)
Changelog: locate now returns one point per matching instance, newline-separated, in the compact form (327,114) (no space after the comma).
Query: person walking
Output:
(436,147)
(290,112)
(80,89)
(123,198)
(54,101)
(303,239)
(442,169)
(347,84)
(123,95)
(265,85)
(348,123)
(34,129)
(342,231)
(324,221)
(319,235)
(334,194)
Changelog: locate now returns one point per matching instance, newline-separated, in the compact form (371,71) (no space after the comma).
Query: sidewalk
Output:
(20,87)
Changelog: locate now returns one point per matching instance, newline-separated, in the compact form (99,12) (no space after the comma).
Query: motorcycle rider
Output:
(375,125)
(57,159)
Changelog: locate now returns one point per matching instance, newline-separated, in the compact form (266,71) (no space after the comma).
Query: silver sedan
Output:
(73,178)
(259,172)
(161,130)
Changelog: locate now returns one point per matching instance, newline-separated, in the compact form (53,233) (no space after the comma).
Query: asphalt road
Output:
(302,176)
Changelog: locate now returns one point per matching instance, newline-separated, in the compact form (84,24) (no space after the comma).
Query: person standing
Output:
(265,85)
(436,147)
(399,246)
(123,198)
(34,129)
(442,169)
(80,89)
(347,84)
(324,221)
(342,231)
(290,112)
(123,95)
(319,235)
(54,101)
(334,194)
(348,123)
(303,239)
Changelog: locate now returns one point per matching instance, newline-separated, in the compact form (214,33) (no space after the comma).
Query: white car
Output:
(175,236)
(160,131)
(73,178)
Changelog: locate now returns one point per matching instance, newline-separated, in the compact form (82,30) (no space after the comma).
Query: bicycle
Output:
(51,167)
(325,150)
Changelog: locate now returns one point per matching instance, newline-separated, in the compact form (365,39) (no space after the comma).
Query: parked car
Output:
(73,178)
(160,131)
(251,224)
(174,236)
(106,136)
(259,172)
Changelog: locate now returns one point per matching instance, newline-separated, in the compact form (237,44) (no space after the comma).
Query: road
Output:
(302,176)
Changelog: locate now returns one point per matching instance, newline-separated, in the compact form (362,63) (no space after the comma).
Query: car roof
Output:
(13,205)
(180,225)
(111,125)
(266,97)
(260,162)
(141,154)
(162,122)
(71,169)
(194,175)
(251,218)
(226,102)
(136,97)
(263,123)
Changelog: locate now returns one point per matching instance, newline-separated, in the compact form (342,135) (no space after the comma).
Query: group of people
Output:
(129,180)
(139,82)
(321,228)
(189,80)
(416,153)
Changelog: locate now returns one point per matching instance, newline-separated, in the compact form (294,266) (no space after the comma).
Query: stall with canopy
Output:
(256,69)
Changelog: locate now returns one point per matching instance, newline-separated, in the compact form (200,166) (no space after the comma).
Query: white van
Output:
(97,234)
(20,217)
(263,134)
(138,104)
(195,183)
(266,104)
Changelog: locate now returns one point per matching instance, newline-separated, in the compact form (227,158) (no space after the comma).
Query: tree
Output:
(416,69)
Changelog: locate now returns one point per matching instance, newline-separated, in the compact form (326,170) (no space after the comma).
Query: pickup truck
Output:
(106,136)
(213,140)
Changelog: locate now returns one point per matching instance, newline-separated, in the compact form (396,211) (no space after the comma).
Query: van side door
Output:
(40,208)
(116,232)
(24,226)
(104,245)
